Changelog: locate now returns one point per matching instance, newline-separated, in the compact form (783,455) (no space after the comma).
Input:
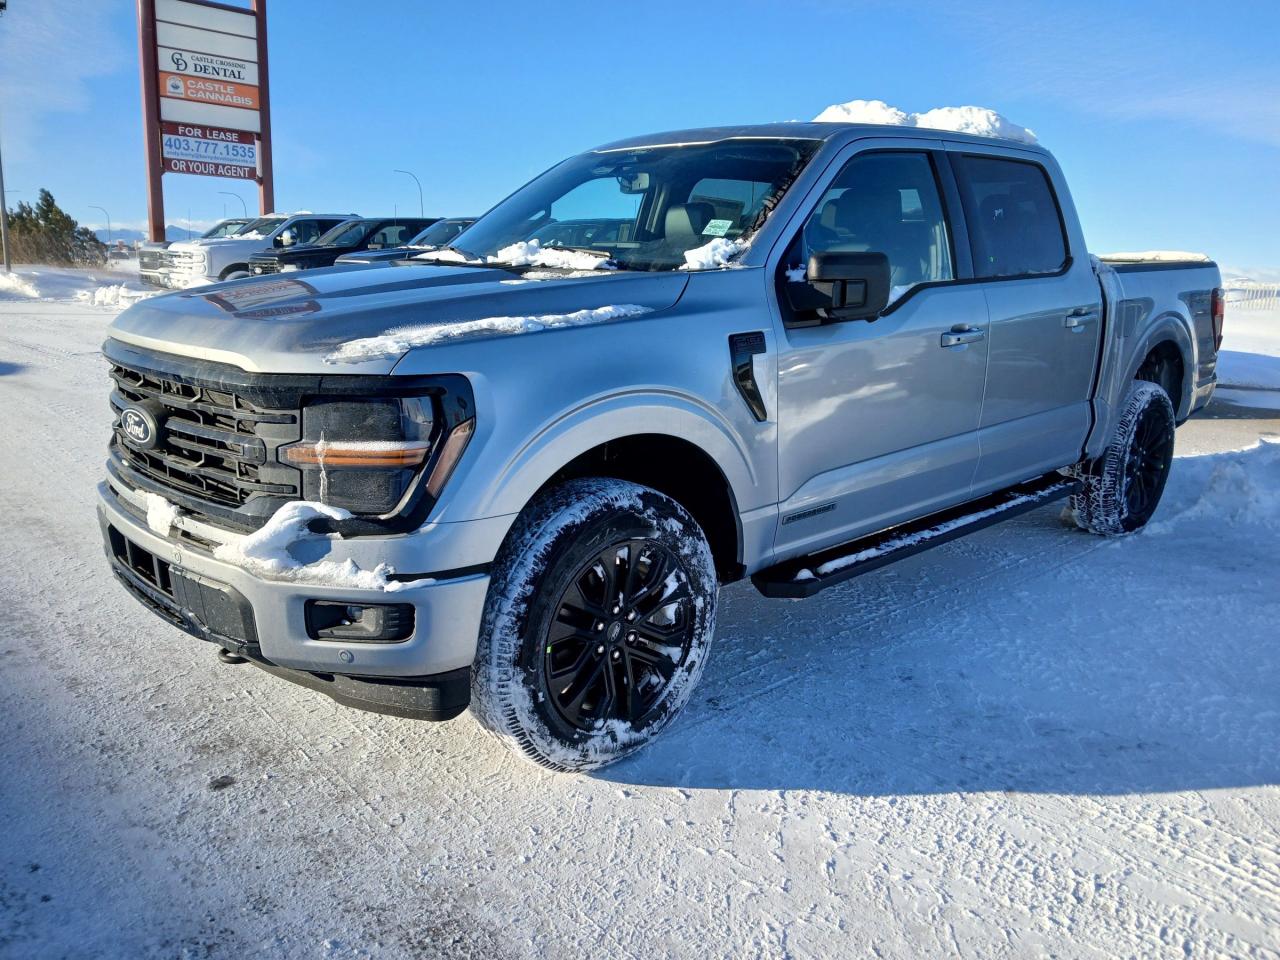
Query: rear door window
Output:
(1015,226)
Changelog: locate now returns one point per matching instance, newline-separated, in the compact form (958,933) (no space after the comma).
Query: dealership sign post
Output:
(205,103)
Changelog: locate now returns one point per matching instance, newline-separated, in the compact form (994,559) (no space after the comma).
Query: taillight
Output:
(1219,309)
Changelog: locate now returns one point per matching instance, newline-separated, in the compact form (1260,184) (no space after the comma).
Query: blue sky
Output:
(1165,116)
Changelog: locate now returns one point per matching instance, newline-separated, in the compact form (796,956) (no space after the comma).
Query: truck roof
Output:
(801,131)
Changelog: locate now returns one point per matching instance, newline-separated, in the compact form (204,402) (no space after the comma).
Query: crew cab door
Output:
(1046,314)
(878,420)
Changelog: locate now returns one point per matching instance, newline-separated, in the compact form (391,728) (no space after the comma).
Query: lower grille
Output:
(206,609)
(263,266)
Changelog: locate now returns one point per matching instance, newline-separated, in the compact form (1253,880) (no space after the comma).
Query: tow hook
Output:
(226,656)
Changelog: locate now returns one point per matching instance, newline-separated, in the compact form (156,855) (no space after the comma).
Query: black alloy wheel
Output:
(1147,466)
(623,626)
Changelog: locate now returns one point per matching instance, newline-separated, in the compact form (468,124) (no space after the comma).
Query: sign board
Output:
(187,141)
(206,106)
(207,59)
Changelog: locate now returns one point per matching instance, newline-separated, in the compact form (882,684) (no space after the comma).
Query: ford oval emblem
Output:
(140,427)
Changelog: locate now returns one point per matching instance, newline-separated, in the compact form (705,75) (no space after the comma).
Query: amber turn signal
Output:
(372,455)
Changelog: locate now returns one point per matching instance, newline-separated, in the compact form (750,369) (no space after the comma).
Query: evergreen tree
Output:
(45,233)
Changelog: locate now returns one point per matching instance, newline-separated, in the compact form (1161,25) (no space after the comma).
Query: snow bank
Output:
(116,295)
(1241,488)
(979,121)
(1156,256)
(18,285)
(395,342)
(268,552)
(715,254)
(1250,354)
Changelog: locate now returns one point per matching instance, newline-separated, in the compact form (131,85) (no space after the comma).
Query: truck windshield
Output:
(644,208)
(439,233)
(264,226)
(226,228)
(346,234)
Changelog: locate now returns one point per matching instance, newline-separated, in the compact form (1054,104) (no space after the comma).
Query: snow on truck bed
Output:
(1156,256)
(1027,742)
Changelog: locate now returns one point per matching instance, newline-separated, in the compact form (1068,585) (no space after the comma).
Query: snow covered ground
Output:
(1028,742)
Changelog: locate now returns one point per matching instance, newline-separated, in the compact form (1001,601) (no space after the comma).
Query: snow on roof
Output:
(978,121)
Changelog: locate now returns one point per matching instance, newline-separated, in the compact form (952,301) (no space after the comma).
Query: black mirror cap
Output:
(857,283)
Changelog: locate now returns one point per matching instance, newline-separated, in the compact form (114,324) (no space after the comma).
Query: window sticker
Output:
(717,228)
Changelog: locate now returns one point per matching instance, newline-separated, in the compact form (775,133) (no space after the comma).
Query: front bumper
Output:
(265,619)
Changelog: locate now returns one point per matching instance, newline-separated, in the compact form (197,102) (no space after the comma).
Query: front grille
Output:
(153,263)
(263,266)
(214,444)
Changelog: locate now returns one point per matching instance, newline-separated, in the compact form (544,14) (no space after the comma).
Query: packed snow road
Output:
(1027,742)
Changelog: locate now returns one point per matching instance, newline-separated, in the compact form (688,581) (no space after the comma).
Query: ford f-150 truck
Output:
(513,476)
(193,262)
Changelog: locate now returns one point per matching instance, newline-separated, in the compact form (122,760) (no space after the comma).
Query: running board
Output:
(804,576)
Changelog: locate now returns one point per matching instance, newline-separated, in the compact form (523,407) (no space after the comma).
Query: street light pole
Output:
(415,180)
(243,209)
(94,206)
(4,222)
(4,210)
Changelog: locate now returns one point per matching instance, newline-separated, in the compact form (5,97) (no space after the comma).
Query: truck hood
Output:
(290,324)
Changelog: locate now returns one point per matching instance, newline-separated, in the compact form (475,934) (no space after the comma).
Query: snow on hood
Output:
(979,121)
(528,253)
(296,322)
(396,342)
(715,254)
(533,253)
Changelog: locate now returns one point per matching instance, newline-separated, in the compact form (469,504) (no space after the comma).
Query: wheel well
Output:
(232,269)
(681,470)
(1163,365)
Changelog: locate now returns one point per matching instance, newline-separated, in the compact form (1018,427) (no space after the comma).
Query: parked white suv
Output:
(227,258)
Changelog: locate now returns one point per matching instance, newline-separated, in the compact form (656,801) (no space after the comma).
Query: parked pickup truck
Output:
(227,258)
(370,234)
(154,258)
(514,476)
(439,234)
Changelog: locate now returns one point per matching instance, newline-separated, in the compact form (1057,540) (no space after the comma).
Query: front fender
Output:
(513,483)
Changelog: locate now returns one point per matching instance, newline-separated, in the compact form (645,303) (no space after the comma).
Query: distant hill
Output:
(171,232)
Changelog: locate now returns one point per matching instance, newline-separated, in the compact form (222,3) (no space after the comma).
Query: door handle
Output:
(1076,320)
(958,336)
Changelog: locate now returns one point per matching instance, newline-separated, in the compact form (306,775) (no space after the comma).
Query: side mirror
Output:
(847,286)
(285,239)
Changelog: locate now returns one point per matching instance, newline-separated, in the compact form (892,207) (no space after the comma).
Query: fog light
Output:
(359,622)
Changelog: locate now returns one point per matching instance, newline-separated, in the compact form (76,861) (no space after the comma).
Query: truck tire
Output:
(597,624)
(1122,487)
(237,272)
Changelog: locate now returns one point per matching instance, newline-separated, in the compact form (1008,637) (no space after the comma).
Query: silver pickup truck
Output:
(512,474)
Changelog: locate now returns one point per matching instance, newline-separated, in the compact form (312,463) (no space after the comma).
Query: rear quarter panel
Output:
(1148,303)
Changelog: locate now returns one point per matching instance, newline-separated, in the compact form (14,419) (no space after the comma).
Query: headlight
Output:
(381,457)
(288,267)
